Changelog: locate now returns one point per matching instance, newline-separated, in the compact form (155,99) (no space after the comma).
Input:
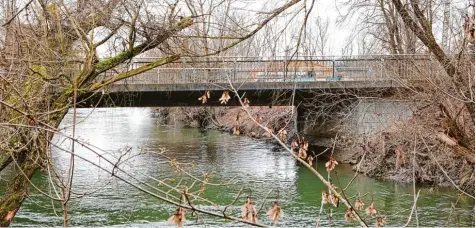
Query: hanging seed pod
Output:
(178,218)
(371,210)
(349,215)
(359,204)
(331,164)
(225,97)
(275,212)
(248,211)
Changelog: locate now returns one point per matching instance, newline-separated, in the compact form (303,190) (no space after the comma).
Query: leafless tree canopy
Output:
(53,52)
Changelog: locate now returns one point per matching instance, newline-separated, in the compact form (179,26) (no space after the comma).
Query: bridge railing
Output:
(302,69)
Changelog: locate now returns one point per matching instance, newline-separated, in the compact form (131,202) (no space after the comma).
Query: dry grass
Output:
(390,153)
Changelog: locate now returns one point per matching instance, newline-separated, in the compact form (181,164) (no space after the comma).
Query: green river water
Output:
(256,165)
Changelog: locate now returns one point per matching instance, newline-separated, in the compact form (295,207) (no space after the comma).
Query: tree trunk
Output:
(424,33)
(17,189)
(26,163)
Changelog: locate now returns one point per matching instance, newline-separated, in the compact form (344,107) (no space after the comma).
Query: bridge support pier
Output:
(299,119)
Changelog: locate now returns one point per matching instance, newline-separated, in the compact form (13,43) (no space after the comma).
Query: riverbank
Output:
(420,148)
(387,155)
(233,120)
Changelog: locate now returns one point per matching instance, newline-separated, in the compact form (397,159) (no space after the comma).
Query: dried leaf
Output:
(349,215)
(331,164)
(380,221)
(275,212)
(468,27)
(204,97)
(294,144)
(236,130)
(225,97)
(246,102)
(178,218)
(302,153)
(371,210)
(310,159)
(248,211)
(359,204)
(303,146)
(325,197)
(400,158)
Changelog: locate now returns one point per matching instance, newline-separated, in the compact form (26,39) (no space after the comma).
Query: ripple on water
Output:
(255,165)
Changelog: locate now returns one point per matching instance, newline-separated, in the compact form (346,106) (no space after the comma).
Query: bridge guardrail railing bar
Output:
(261,71)
(217,69)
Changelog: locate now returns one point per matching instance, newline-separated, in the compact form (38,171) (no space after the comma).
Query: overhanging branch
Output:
(133,72)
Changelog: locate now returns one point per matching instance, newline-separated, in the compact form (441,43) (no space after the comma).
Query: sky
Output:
(323,8)
(338,34)
(326,9)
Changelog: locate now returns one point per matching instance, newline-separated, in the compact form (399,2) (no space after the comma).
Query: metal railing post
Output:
(285,70)
(158,75)
(234,70)
(333,68)
(266,74)
(182,74)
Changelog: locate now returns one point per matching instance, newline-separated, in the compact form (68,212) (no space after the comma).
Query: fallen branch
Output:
(444,172)
(446,139)
(460,150)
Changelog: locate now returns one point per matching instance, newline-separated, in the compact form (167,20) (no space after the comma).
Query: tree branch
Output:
(133,72)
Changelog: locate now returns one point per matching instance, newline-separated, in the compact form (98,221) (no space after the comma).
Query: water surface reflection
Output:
(254,164)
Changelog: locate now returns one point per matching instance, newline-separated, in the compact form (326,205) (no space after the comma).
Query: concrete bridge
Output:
(264,81)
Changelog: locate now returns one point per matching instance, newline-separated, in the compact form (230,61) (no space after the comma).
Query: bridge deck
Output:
(181,83)
(255,86)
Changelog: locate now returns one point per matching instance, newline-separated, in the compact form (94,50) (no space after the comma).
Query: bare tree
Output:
(50,60)
(322,39)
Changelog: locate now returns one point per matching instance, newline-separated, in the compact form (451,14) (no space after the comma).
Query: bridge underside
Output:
(137,95)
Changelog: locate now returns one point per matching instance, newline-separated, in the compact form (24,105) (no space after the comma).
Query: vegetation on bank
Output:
(409,150)
(231,119)
(387,155)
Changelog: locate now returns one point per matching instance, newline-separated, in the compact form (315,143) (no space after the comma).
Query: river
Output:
(257,166)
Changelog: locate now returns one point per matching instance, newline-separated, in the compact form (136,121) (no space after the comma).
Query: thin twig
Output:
(16,14)
(414,185)
(319,216)
(234,200)
(343,193)
(356,172)
(158,196)
(264,201)
(413,209)
(453,207)
(442,170)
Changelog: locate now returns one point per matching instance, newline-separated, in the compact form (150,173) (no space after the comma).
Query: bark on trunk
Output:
(27,162)
(17,190)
